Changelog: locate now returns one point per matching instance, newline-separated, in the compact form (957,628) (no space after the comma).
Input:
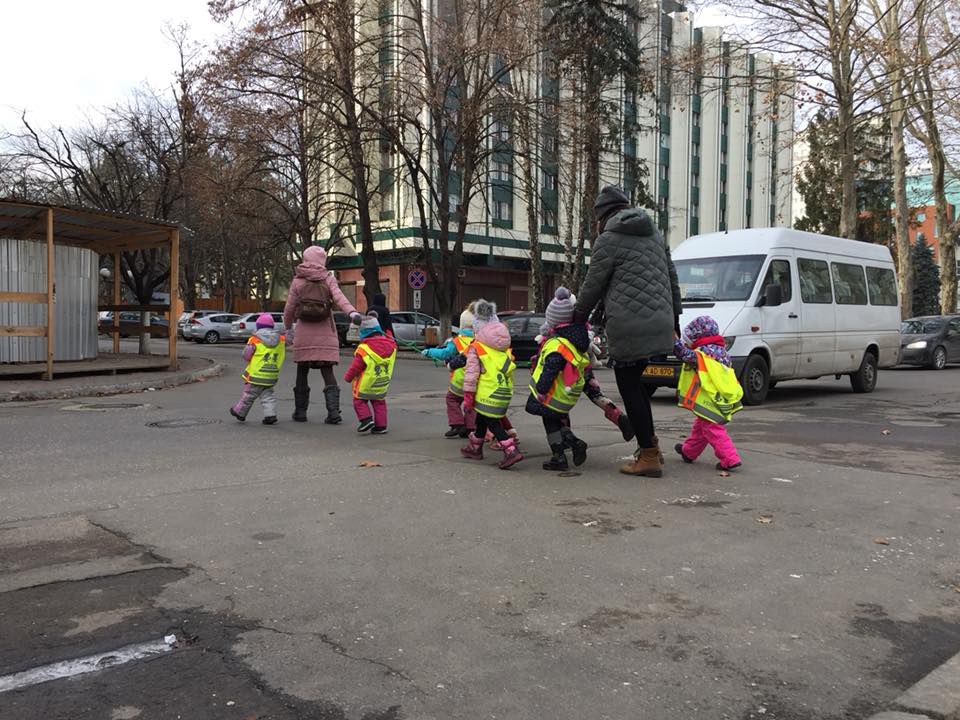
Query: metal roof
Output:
(104,231)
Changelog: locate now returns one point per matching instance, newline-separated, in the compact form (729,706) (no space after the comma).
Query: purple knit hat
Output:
(264,320)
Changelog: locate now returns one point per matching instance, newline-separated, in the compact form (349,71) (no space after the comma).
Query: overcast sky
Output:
(61,59)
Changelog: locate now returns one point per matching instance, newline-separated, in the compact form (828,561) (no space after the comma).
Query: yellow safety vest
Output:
(374,381)
(495,386)
(711,390)
(264,366)
(461,343)
(559,399)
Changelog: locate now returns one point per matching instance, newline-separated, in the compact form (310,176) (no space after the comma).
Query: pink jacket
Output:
(492,334)
(314,341)
(382,345)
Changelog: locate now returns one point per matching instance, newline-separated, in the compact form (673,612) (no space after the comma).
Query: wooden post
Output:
(174,293)
(50,287)
(116,302)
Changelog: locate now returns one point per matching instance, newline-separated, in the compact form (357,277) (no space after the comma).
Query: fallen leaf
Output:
(881,541)
(450,492)
(724,473)
(370,464)
(884,432)
(591,523)
(765,519)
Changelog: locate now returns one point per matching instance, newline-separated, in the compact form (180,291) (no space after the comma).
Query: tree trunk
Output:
(901,207)
(945,232)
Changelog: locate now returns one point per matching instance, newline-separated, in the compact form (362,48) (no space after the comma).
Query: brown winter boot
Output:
(656,444)
(646,462)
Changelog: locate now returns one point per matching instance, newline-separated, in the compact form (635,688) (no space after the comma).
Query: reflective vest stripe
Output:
(264,366)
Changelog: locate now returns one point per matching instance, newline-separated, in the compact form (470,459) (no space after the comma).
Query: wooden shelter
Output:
(106,233)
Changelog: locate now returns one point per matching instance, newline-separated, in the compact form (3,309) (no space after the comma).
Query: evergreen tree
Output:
(926,280)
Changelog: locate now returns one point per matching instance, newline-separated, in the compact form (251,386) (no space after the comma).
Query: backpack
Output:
(316,301)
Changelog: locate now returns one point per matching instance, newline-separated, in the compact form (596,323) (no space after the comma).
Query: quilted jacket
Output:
(632,273)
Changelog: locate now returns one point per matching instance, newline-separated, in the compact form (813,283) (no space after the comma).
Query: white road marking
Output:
(84,665)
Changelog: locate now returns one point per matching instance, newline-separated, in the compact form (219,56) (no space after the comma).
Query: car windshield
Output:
(921,327)
(718,278)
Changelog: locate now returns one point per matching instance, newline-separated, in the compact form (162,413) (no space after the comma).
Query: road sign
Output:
(417,279)
(417,299)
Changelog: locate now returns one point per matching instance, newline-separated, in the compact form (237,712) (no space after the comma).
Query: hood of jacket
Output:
(314,265)
(576,334)
(380,344)
(632,221)
(494,334)
(268,336)
(698,328)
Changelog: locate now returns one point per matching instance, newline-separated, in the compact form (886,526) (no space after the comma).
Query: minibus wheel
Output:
(755,380)
(864,380)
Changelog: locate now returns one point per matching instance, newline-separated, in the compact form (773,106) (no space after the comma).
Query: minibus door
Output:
(780,324)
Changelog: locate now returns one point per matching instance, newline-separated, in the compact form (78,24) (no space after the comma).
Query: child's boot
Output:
(578,446)
(557,461)
(620,419)
(454,432)
(511,454)
(237,415)
(270,420)
(473,450)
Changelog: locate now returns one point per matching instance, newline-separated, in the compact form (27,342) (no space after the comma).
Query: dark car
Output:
(931,341)
(524,328)
(130,325)
(342,321)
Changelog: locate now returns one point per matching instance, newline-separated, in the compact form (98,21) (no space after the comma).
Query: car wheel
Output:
(212,337)
(755,380)
(864,380)
(939,360)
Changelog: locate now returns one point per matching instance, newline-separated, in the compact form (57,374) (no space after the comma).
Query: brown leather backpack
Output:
(316,301)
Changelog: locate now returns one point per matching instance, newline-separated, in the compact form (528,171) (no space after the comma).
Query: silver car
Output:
(246,326)
(188,315)
(210,329)
(407,328)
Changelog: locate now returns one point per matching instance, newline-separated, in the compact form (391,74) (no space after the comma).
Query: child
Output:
(264,354)
(370,373)
(559,376)
(461,423)
(708,386)
(488,384)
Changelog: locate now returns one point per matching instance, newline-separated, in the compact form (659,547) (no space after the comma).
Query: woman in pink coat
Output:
(315,343)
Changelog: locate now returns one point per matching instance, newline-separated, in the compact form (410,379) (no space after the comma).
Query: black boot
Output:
(301,401)
(578,446)
(558,461)
(455,431)
(331,394)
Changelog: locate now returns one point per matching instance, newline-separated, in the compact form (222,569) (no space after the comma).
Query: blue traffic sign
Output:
(417,279)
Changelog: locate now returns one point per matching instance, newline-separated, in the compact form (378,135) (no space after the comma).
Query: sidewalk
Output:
(192,369)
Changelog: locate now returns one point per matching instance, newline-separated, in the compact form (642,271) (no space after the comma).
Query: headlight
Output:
(919,345)
(729,341)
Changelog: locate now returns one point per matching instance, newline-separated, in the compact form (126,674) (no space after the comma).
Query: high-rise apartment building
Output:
(714,133)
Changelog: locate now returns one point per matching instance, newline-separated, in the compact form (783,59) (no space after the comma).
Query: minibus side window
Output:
(815,281)
(779,274)
(882,284)
(849,286)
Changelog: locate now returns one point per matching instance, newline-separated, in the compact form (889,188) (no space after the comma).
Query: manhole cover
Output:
(104,407)
(183,422)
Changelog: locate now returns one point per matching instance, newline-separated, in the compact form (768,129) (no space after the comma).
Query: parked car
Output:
(130,325)
(524,328)
(246,326)
(186,316)
(790,305)
(407,328)
(931,341)
(210,329)
(342,321)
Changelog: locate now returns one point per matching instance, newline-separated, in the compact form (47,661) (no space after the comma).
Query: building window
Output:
(550,182)
(694,211)
(695,181)
(664,141)
(696,119)
(550,217)
(921,217)
(503,210)
(550,144)
(501,170)
(664,172)
(501,131)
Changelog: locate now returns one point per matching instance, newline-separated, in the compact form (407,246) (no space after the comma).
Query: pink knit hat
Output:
(264,320)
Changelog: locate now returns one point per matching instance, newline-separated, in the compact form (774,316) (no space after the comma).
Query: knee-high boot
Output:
(331,394)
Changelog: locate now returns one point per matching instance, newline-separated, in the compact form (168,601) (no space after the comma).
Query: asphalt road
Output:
(815,584)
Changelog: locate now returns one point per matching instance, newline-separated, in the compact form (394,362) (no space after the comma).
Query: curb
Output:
(934,697)
(171,381)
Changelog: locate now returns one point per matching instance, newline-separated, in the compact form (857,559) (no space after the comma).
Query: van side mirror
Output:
(772,296)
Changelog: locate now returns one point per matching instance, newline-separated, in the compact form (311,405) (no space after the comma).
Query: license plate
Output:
(654,371)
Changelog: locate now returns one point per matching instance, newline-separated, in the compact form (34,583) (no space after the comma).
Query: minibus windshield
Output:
(718,278)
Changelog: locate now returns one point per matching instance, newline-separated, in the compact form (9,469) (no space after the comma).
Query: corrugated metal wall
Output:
(23,268)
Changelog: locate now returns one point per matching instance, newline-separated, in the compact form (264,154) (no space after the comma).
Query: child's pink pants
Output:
(362,408)
(456,416)
(709,433)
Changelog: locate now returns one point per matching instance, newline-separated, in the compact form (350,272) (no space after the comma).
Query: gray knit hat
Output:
(560,309)
(484,312)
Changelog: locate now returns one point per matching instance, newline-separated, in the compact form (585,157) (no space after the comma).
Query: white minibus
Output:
(790,305)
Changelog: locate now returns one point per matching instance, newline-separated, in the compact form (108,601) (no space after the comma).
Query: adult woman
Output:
(632,273)
(314,294)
